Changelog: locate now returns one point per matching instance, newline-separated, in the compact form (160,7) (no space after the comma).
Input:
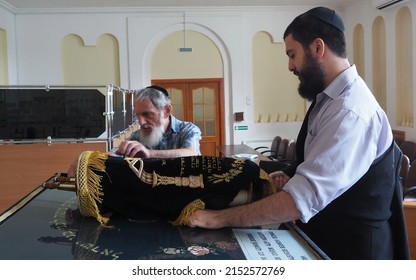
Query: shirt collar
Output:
(174,124)
(337,86)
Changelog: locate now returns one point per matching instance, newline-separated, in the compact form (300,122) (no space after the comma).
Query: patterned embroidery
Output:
(132,162)
(237,168)
(213,248)
(192,181)
(155,179)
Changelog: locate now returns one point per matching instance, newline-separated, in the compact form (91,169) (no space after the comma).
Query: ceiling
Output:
(25,5)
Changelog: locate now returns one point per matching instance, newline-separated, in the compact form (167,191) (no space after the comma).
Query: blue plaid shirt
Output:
(181,135)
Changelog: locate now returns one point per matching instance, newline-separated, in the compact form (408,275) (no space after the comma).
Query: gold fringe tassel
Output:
(89,190)
(265,176)
(187,211)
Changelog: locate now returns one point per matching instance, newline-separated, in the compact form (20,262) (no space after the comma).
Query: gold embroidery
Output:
(155,179)
(228,176)
(132,162)
(192,181)
(196,181)
(185,181)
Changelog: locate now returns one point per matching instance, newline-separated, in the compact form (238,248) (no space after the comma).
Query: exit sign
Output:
(241,127)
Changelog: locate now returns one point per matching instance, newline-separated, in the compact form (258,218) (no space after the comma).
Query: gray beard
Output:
(153,139)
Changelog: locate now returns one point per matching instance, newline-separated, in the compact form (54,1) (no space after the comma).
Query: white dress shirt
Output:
(347,132)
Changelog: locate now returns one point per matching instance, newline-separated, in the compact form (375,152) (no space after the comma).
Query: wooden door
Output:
(199,101)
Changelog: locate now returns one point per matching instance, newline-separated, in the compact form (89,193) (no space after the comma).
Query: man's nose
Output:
(291,67)
(141,120)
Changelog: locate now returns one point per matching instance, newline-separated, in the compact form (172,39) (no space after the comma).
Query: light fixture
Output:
(184,48)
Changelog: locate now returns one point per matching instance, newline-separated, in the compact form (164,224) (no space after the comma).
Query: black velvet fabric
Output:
(161,197)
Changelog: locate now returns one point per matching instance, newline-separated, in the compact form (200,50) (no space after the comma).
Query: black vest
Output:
(367,221)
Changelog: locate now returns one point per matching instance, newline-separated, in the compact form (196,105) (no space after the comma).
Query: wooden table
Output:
(230,150)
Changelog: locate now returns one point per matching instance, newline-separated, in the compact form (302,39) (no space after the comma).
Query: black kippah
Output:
(163,90)
(327,15)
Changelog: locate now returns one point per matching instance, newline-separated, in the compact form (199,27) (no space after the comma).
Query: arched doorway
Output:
(194,80)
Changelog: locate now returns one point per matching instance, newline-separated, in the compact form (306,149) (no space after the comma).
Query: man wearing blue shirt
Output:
(160,135)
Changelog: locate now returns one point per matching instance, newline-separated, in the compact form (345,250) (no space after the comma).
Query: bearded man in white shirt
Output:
(344,191)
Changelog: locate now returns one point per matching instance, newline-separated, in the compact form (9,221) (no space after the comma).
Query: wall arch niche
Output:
(358,49)
(204,61)
(4,76)
(404,68)
(90,65)
(275,87)
(379,61)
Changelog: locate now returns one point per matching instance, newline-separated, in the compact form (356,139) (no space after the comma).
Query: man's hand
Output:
(133,149)
(280,179)
(205,219)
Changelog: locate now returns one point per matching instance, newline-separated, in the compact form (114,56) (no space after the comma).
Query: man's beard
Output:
(153,139)
(311,78)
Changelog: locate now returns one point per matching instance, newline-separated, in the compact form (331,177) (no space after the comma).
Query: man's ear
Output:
(318,47)
(168,110)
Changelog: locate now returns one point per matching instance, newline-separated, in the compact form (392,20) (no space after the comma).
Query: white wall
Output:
(39,35)
(363,12)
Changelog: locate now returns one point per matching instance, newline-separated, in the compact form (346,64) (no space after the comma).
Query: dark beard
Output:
(311,78)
